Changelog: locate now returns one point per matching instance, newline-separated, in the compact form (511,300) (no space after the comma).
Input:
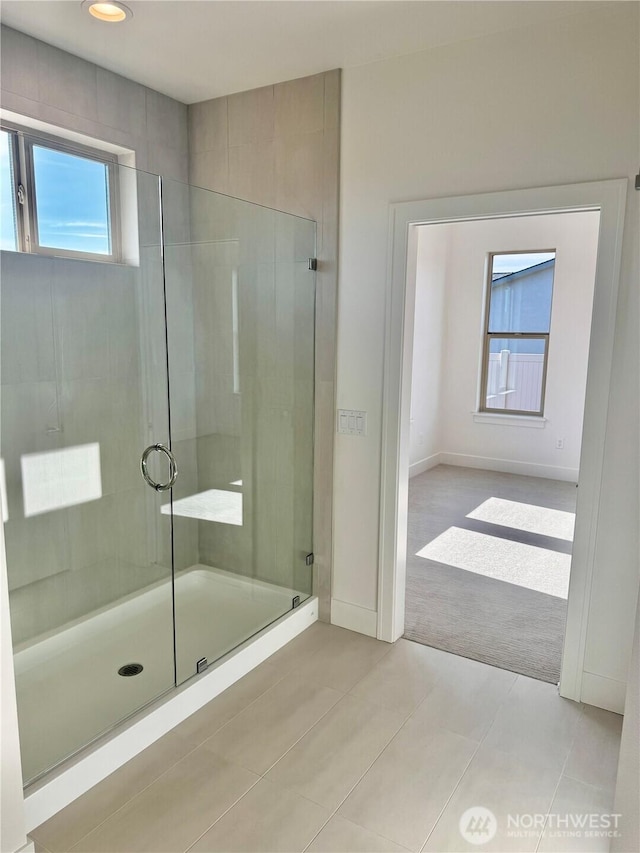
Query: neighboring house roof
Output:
(509,277)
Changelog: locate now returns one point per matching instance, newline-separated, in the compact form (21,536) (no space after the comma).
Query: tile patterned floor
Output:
(340,743)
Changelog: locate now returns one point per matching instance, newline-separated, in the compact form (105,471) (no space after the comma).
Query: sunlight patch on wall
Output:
(212,505)
(61,478)
(513,562)
(521,516)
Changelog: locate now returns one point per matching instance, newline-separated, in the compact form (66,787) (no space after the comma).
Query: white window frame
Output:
(483,408)
(23,141)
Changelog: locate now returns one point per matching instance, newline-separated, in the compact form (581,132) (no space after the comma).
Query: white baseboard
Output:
(424,465)
(509,466)
(603,692)
(355,618)
(77,776)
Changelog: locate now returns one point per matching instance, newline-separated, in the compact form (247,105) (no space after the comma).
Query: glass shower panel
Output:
(84,391)
(240,321)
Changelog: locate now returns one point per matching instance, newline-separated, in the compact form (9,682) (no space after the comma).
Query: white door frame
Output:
(609,198)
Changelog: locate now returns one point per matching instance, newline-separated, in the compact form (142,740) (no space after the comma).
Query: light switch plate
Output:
(352,422)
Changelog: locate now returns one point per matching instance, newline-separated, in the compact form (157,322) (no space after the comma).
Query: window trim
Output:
(483,408)
(23,140)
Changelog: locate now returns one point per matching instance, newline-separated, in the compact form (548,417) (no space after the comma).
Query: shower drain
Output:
(130,669)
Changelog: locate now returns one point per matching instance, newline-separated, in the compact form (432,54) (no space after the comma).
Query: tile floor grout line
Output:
(241,711)
(135,796)
(501,704)
(314,724)
(604,788)
(305,733)
(335,811)
(380,659)
(480,743)
(555,791)
(409,716)
(229,721)
(357,782)
(450,797)
(355,785)
(235,803)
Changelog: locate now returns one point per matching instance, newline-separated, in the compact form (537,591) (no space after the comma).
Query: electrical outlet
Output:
(559,443)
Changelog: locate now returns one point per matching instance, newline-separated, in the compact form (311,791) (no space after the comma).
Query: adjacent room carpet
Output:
(488,567)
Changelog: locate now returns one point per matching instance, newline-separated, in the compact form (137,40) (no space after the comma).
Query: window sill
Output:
(530,421)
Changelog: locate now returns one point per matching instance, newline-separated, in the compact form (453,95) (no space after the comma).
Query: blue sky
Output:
(514,263)
(71,200)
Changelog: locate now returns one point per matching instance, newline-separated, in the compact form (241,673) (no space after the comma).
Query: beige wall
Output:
(279,146)
(465,119)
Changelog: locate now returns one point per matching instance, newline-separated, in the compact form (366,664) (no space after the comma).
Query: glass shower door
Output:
(240,321)
(84,391)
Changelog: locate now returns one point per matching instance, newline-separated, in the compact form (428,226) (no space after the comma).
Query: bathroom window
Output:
(518,322)
(58,198)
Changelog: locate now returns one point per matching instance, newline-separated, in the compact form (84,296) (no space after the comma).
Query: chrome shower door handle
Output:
(173,467)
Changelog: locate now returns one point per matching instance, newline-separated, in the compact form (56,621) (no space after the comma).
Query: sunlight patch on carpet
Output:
(521,516)
(513,562)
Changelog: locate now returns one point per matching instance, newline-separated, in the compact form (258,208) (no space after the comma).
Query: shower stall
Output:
(157,454)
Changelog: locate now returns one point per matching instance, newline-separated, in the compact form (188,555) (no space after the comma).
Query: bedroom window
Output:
(518,322)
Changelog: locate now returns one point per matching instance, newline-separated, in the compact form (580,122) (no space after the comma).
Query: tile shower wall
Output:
(255,407)
(67,562)
(279,146)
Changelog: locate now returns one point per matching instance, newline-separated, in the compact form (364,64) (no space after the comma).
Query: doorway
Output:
(608,198)
(500,351)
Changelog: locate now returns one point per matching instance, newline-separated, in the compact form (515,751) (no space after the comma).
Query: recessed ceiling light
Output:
(112,12)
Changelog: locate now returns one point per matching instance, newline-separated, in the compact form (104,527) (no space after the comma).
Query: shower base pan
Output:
(70,679)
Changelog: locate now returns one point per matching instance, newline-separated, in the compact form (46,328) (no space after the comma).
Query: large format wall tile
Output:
(208,128)
(121,102)
(27,346)
(278,145)
(252,172)
(251,116)
(67,82)
(166,121)
(299,174)
(300,105)
(19,64)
